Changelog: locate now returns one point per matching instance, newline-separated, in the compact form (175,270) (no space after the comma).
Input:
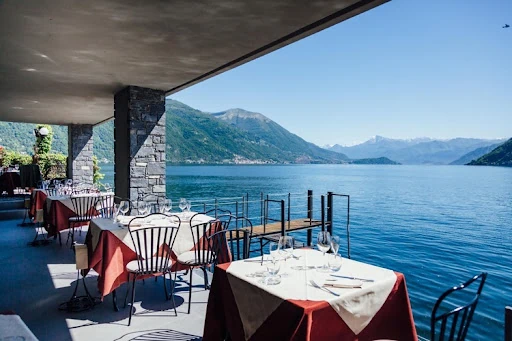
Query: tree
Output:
(44,143)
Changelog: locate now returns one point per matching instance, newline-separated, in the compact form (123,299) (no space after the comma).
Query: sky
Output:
(408,68)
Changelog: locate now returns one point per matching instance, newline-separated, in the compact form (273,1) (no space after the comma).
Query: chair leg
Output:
(190,291)
(127,290)
(133,299)
(173,284)
(60,238)
(165,289)
(205,277)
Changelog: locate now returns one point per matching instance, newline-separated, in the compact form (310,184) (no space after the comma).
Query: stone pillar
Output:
(139,134)
(80,165)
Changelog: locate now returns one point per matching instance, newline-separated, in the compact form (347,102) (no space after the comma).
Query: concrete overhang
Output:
(61,61)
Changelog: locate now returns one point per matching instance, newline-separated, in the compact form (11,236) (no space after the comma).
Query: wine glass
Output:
(115,213)
(323,242)
(335,244)
(17,167)
(167,206)
(142,208)
(189,205)
(183,204)
(285,246)
(124,207)
(273,266)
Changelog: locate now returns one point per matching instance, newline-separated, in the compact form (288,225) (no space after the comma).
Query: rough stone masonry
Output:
(139,133)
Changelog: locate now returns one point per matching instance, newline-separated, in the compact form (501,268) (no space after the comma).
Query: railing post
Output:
(289,202)
(261,208)
(216,206)
(322,208)
(329,212)
(508,323)
(310,216)
(282,219)
(348,226)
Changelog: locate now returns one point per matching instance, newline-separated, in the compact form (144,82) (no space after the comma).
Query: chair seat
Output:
(134,267)
(190,258)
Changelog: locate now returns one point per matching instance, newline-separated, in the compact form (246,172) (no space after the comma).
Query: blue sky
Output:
(409,68)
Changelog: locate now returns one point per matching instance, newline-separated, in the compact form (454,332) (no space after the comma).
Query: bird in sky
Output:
(506,26)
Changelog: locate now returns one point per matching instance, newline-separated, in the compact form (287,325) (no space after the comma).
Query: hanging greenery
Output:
(96,175)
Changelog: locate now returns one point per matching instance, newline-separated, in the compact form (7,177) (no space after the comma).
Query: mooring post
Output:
(329,212)
(310,216)
(508,323)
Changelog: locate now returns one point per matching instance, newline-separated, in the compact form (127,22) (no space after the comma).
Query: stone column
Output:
(139,134)
(80,165)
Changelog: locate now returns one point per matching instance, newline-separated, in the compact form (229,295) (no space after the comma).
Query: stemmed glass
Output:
(183,204)
(167,206)
(323,242)
(142,208)
(124,207)
(273,266)
(115,213)
(285,246)
(335,261)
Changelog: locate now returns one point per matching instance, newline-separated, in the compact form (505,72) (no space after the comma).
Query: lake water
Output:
(438,225)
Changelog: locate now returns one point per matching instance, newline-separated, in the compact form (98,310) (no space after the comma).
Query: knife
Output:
(354,278)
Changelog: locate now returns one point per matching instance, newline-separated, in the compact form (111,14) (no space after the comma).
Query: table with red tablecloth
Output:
(242,306)
(38,201)
(110,249)
(59,209)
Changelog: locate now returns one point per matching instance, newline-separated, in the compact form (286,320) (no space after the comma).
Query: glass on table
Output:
(142,208)
(285,246)
(115,213)
(273,266)
(166,208)
(124,207)
(335,244)
(334,262)
(323,242)
(183,204)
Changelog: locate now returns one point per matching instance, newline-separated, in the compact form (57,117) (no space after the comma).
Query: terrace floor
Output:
(37,279)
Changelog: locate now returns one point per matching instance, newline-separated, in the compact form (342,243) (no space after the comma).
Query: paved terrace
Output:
(37,279)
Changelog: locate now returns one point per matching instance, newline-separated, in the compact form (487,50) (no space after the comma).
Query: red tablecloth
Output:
(38,202)
(57,218)
(306,320)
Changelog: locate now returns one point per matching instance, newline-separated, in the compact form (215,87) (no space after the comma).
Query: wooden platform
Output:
(290,226)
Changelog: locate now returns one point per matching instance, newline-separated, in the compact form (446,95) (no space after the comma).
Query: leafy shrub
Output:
(96,175)
(11,158)
(53,165)
(44,143)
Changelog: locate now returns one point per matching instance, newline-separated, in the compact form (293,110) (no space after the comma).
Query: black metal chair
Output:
(152,258)
(84,206)
(205,247)
(455,321)
(215,212)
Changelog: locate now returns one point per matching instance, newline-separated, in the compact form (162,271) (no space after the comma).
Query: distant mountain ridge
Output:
(500,156)
(415,151)
(475,154)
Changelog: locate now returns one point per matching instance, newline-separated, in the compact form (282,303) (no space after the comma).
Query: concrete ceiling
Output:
(61,61)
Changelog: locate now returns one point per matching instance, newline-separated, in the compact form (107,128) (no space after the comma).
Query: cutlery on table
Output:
(315,284)
(354,278)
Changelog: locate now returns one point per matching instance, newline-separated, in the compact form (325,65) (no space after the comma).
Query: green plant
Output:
(11,158)
(96,175)
(44,143)
(53,165)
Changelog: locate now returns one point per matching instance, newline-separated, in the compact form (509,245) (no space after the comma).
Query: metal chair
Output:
(84,206)
(39,221)
(456,320)
(153,245)
(205,252)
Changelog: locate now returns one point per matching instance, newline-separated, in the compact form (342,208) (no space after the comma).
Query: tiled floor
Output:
(36,279)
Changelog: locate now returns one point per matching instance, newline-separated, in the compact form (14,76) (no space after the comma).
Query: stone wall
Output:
(139,133)
(80,152)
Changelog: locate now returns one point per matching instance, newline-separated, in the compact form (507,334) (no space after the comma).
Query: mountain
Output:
(415,151)
(236,136)
(475,154)
(500,156)
(270,135)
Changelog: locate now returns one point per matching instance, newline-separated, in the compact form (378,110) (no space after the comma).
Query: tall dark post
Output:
(282,219)
(310,216)
(508,323)
(329,212)
(322,207)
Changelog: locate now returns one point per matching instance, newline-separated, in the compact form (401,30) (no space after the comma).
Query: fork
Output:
(315,284)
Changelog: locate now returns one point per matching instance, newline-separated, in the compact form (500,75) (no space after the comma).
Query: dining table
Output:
(38,200)
(110,247)
(359,301)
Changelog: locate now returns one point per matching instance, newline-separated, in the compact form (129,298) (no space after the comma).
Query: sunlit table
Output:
(241,305)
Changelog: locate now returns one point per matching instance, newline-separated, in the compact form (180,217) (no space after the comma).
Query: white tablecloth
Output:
(356,306)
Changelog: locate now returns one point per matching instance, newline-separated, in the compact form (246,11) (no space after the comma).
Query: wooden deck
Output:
(290,226)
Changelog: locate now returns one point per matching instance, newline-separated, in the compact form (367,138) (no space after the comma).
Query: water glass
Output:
(285,246)
(334,262)
(183,204)
(115,213)
(273,266)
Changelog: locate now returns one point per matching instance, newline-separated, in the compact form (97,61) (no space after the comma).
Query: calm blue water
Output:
(439,225)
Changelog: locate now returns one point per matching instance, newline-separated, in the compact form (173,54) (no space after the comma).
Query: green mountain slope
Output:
(268,134)
(20,137)
(475,154)
(374,161)
(500,156)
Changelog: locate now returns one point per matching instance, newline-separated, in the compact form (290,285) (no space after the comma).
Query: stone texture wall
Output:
(139,133)
(80,152)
